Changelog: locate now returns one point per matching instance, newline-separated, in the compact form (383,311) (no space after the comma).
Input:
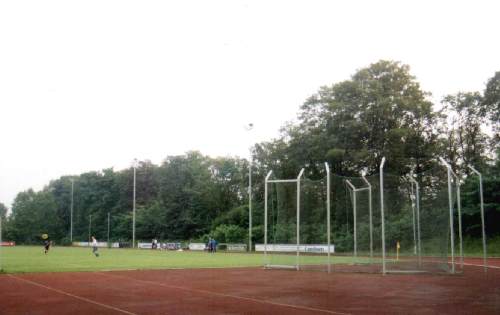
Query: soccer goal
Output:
(296,223)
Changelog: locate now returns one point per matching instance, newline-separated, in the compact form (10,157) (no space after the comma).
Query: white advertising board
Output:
(99,244)
(197,246)
(303,248)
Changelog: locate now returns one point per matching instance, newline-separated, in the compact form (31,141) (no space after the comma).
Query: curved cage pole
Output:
(459,211)
(416,206)
(382,213)
(355,215)
(370,214)
(450,202)
(485,261)
(298,218)
(266,262)
(354,223)
(327,168)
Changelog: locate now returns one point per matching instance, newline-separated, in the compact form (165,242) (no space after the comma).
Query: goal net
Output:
(411,235)
(296,224)
(380,223)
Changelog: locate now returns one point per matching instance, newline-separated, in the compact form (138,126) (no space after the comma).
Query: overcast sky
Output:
(87,85)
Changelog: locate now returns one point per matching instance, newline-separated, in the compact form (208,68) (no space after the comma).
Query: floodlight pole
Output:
(298,217)
(417,203)
(133,206)
(250,205)
(450,201)
(485,261)
(459,209)
(382,212)
(249,127)
(327,167)
(370,213)
(265,217)
(71,212)
(354,216)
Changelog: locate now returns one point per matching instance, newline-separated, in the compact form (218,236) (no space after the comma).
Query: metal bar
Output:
(133,210)
(327,167)
(371,215)
(459,206)
(350,184)
(361,189)
(353,188)
(459,210)
(485,260)
(450,202)
(355,226)
(417,203)
(298,218)
(71,212)
(282,181)
(265,217)
(414,225)
(382,212)
(250,205)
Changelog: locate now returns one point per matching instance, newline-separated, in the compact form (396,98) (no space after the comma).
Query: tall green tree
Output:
(33,214)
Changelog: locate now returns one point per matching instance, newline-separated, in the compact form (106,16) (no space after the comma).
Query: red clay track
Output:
(250,291)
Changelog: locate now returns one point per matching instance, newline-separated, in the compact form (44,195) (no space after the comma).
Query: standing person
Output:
(94,247)
(214,246)
(46,245)
(209,245)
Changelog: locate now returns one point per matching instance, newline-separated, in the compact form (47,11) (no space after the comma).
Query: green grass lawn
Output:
(59,259)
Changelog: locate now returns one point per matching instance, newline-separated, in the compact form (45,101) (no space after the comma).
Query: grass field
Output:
(20,259)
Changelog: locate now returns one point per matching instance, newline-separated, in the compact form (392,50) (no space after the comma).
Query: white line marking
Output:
(72,295)
(230,296)
(489,266)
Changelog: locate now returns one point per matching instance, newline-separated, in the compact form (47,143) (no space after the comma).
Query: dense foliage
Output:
(380,111)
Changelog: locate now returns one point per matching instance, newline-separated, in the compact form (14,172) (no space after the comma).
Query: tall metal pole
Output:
(328,213)
(265,217)
(298,218)
(354,215)
(413,214)
(249,127)
(450,202)
(133,209)
(417,202)
(485,261)
(459,211)
(371,215)
(382,220)
(71,215)
(250,205)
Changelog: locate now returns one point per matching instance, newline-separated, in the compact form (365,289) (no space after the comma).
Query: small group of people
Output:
(212,245)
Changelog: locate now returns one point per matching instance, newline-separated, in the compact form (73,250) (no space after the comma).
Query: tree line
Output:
(381,111)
